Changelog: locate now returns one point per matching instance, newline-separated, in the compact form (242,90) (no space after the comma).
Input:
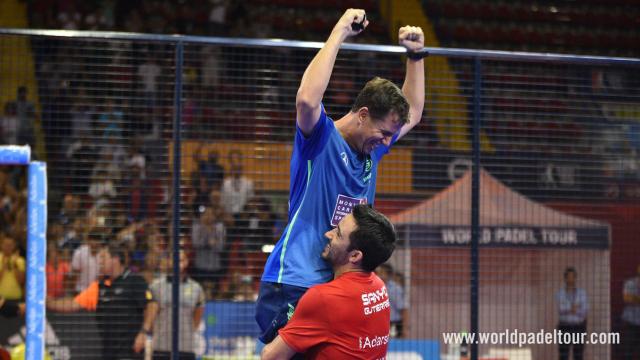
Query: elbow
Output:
(305,102)
(268,353)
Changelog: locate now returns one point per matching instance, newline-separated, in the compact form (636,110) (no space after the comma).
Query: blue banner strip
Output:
(15,155)
(36,260)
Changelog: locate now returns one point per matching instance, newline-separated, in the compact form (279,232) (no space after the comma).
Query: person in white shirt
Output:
(237,189)
(572,311)
(84,261)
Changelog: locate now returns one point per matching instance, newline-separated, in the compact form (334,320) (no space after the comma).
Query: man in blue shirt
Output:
(572,309)
(333,166)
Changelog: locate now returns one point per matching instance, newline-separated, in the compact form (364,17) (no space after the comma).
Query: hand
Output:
(349,17)
(411,37)
(138,344)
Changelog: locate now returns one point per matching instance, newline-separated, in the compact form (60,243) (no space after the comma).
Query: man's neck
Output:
(346,269)
(346,126)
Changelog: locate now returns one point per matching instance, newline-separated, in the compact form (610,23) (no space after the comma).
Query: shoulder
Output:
(157,282)
(194,284)
(136,279)
(582,292)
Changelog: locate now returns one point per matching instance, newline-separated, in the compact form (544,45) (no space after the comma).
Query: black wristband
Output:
(417,55)
(146,332)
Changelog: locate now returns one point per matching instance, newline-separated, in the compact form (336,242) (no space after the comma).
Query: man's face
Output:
(8,246)
(183,265)
(376,132)
(106,262)
(570,278)
(336,252)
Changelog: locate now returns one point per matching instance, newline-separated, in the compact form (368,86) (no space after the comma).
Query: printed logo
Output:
(368,164)
(375,301)
(344,207)
(290,311)
(345,159)
(373,341)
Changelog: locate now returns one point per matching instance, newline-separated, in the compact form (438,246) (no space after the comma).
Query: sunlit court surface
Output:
(164,134)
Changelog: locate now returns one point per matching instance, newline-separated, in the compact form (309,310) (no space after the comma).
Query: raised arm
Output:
(412,38)
(316,77)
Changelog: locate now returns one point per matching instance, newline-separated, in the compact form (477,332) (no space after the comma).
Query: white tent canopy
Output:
(507,217)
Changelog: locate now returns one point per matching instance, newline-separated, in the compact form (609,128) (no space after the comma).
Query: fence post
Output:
(177,120)
(475,203)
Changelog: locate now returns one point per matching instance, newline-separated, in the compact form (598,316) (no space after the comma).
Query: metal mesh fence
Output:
(558,188)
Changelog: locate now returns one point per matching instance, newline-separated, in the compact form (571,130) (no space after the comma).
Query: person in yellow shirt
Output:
(12,270)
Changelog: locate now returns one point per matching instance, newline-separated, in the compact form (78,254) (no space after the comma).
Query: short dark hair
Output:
(381,96)
(374,236)
(118,251)
(569,270)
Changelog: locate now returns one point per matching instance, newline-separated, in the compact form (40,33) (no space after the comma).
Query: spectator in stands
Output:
(209,240)
(70,210)
(12,270)
(84,263)
(208,176)
(123,302)
(192,302)
(237,189)
(110,121)
(82,113)
(255,224)
(57,271)
(102,189)
(241,287)
(572,313)
(81,155)
(111,159)
(218,17)
(10,125)
(211,64)
(156,253)
(18,230)
(399,309)
(8,200)
(211,170)
(26,112)
(136,195)
(630,337)
(148,73)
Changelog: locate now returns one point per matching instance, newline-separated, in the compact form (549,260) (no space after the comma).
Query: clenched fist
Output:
(411,37)
(349,17)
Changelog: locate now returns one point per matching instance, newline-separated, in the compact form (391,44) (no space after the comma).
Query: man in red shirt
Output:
(347,318)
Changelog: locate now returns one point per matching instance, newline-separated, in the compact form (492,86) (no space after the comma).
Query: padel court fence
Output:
(524,165)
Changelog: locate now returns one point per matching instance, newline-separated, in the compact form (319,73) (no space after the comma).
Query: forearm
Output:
(150,313)
(65,305)
(197,317)
(277,350)
(413,89)
(405,323)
